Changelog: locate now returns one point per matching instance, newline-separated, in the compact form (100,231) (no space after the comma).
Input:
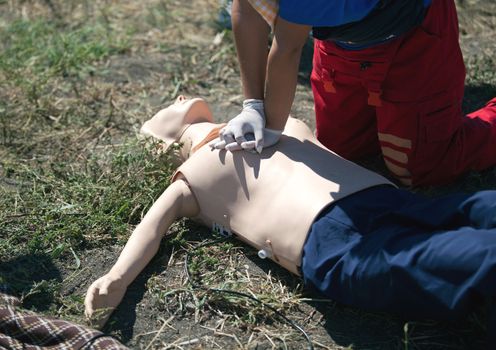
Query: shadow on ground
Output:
(31,277)
(124,318)
(362,330)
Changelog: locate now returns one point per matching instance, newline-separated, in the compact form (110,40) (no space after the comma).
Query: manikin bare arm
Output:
(107,292)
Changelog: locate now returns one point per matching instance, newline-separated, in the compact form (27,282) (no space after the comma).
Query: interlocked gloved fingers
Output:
(270,138)
(251,120)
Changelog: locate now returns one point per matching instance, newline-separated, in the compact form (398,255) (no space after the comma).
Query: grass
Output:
(45,48)
(216,272)
(66,195)
(77,80)
(69,182)
(65,207)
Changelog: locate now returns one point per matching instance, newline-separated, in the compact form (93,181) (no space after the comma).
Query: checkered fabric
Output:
(268,9)
(24,330)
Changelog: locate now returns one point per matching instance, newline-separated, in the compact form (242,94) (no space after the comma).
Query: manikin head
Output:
(188,122)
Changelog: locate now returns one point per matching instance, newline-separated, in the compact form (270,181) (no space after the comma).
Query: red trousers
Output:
(403,99)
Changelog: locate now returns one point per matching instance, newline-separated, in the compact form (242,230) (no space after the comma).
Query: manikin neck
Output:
(195,135)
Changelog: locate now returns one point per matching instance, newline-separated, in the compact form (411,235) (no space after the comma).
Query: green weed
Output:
(63,206)
(44,47)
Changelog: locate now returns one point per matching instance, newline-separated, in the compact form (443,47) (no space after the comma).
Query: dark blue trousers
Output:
(392,250)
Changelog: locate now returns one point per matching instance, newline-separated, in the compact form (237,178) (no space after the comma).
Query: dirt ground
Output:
(189,54)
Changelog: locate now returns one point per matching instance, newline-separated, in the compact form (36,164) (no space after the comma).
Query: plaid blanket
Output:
(21,329)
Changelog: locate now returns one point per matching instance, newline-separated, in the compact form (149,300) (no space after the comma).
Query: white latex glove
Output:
(246,130)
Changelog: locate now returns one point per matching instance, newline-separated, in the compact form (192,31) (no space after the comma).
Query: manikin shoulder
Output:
(184,197)
(298,129)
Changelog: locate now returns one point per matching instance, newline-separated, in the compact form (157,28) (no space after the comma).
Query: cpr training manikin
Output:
(270,200)
(349,232)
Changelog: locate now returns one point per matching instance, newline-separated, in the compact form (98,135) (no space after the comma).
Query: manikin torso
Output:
(269,200)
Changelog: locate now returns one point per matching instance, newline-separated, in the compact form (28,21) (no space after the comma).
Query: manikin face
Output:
(170,123)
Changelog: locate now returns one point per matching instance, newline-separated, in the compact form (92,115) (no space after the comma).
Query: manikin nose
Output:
(180,98)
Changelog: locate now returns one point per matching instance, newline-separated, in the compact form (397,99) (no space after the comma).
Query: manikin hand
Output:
(102,298)
(247,131)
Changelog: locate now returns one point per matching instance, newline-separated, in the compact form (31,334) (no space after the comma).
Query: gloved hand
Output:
(246,130)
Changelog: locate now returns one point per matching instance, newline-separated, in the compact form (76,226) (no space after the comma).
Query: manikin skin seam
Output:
(212,135)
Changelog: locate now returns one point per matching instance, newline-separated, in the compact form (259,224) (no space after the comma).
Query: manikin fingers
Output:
(88,302)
